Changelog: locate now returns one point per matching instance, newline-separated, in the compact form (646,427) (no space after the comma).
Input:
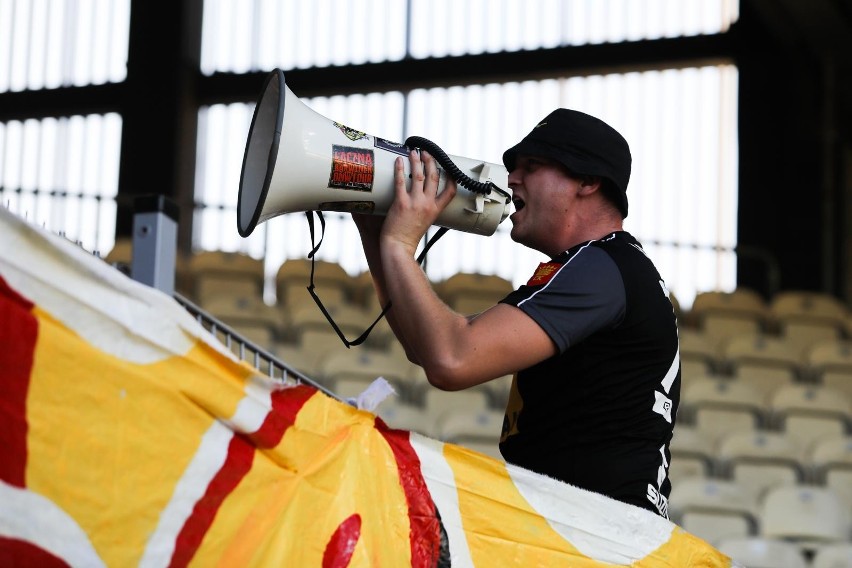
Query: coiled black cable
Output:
(481,187)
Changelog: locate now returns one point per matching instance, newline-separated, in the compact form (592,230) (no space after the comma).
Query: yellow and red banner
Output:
(131,437)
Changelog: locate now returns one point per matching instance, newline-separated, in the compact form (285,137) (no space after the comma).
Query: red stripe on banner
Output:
(425,536)
(237,465)
(18,335)
(15,552)
(341,545)
(286,404)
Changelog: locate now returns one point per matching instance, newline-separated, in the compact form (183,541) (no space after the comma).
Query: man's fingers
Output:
(447,195)
(418,173)
(433,175)
(426,177)
(399,176)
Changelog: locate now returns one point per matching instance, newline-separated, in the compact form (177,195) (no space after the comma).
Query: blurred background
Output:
(737,113)
(739,117)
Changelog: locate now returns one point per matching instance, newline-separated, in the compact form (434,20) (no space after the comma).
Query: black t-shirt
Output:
(599,414)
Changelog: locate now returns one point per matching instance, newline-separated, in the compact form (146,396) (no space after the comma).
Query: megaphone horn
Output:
(298,160)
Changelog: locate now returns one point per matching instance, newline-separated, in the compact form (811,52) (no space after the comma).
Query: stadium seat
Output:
(836,555)
(351,319)
(678,309)
(757,552)
(810,315)
(346,389)
(311,348)
(401,416)
(830,363)
(363,292)
(763,361)
(693,454)
(803,335)
(806,515)
(220,273)
(831,465)
(699,354)
(362,365)
(806,304)
(438,403)
(719,406)
(498,392)
(724,314)
(471,293)
(476,429)
(305,316)
(761,460)
(810,412)
(714,509)
(249,316)
(332,283)
(297,358)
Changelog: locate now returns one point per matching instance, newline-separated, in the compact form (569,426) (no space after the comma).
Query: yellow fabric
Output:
(182,455)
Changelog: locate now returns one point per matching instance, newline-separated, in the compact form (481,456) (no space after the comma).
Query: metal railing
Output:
(247,351)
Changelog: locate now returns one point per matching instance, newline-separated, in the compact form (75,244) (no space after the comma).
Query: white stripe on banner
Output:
(253,409)
(442,486)
(599,527)
(206,463)
(32,518)
(248,417)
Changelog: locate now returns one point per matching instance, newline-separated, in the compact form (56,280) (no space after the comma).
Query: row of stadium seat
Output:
(797,315)
(808,516)
(759,459)
(211,277)
(233,283)
(807,412)
(762,552)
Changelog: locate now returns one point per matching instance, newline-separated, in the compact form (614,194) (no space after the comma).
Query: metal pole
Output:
(155,226)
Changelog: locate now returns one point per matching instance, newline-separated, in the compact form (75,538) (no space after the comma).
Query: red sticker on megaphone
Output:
(351,168)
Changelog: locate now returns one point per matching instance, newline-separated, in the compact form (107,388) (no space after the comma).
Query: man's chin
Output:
(516,234)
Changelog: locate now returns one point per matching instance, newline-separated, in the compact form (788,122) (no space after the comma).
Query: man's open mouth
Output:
(518,203)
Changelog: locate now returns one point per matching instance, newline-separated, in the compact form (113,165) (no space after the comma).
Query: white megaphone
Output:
(298,160)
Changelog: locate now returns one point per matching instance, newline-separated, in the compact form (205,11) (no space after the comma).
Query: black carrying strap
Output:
(312,255)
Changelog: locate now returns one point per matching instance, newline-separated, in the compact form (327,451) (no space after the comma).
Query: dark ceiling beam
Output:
(824,25)
(65,101)
(500,67)
(819,26)
(401,75)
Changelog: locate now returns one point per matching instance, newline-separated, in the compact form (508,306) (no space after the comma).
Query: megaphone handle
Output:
(312,255)
(479,187)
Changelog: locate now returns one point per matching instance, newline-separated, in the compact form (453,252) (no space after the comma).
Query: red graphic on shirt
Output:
(544,273)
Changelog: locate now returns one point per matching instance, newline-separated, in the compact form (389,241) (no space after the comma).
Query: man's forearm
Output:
(427,325)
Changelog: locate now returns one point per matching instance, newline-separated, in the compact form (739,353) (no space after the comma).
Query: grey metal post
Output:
(155,225)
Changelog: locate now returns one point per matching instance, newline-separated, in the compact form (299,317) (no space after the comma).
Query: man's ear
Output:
(589,184)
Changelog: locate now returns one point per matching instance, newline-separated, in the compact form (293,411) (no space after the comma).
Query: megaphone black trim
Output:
(453,170)
(262,146)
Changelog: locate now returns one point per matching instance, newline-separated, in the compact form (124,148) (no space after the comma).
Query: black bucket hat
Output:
(582,143)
